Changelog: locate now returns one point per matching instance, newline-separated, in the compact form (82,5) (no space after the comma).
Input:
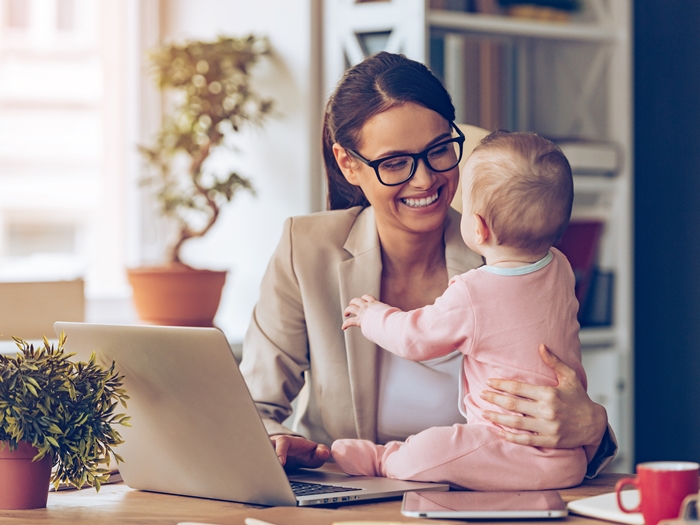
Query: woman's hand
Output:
(556,417)
(298,452)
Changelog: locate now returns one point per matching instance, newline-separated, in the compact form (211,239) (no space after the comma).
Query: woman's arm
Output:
(557,417)
(275,350)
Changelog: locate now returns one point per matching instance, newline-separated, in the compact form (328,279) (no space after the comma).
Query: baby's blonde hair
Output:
(523,188)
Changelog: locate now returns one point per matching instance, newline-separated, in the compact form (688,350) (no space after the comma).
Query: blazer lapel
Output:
(362,274)
(357,276)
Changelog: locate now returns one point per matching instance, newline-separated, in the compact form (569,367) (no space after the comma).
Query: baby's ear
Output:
(346,163)
(482,229)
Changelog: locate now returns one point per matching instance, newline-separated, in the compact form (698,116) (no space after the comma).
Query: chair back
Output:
(29,309)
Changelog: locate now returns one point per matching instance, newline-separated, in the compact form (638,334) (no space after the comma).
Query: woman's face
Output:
(419,205)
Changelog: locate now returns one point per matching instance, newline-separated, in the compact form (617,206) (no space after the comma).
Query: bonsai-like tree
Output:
(214,99)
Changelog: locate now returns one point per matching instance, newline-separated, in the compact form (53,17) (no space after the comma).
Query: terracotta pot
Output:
(176,295)
(23,484)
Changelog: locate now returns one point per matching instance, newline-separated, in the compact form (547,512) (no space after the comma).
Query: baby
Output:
(517,198)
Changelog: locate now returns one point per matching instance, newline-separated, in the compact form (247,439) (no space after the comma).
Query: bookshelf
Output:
(568,80)
(490,25)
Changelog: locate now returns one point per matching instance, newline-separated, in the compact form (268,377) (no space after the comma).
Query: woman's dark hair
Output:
(376,84)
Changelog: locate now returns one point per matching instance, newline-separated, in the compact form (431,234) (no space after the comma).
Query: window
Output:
(62,150)
(26,239)
(16,14)
(65,15)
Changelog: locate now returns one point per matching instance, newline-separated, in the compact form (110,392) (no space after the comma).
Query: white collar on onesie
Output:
(520,270)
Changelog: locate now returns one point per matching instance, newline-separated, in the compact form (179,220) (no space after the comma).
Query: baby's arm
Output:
(425,333)
(356,310)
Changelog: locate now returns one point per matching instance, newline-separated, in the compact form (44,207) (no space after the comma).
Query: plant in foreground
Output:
(63,408)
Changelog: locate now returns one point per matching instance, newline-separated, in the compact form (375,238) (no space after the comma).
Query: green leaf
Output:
(31,388)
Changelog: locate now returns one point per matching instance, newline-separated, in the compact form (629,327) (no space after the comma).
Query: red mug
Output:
(662,485)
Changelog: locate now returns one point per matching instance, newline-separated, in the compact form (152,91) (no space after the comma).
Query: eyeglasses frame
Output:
(374,164)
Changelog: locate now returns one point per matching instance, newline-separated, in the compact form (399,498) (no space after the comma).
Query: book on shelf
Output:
(453,5)
(547,11)
(580,246)
(597,311)
(481,96)
(591,157)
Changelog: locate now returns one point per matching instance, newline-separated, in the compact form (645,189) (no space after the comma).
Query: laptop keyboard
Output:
(310,489)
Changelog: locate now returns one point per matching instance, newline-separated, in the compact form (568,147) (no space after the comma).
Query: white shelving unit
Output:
(568,79)
(490,25)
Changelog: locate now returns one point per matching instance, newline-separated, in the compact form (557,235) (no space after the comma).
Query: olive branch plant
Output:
(66,409)
(211,83)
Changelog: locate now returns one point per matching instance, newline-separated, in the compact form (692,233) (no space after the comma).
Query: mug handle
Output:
(618,488)
(689,508)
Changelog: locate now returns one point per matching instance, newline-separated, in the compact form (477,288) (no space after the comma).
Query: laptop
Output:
(195,430)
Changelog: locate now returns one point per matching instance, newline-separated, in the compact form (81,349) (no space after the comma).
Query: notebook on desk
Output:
(195,430)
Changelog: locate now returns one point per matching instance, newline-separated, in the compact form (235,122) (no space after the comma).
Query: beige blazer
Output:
(295,338)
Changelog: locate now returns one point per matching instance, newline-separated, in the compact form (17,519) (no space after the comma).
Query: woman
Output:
(398,240)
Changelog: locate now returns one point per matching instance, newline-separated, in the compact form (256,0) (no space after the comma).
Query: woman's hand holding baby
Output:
(556,417)
(356,310)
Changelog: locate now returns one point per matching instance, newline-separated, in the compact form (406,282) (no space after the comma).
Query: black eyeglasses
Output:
(397,169)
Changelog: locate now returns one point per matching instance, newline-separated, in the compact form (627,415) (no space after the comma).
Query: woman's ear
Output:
(346,164)
(482,229)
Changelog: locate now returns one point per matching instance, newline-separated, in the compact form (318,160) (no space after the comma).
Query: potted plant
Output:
(55,413)
(211,82)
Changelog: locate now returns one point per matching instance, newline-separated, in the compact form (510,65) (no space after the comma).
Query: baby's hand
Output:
(356,309)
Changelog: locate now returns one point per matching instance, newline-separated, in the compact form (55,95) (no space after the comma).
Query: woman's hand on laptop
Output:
(298,452)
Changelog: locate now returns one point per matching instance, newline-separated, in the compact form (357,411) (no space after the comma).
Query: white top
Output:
(414,396)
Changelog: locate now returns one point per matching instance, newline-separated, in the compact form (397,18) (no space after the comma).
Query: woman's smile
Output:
(423,201)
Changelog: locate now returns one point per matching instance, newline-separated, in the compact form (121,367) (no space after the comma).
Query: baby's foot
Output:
(357,457)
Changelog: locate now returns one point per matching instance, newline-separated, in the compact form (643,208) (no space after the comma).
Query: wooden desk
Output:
(118,504)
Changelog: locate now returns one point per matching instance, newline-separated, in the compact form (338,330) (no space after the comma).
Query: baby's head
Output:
(520,186)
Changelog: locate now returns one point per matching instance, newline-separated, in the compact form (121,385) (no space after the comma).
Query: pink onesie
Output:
(497,317)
